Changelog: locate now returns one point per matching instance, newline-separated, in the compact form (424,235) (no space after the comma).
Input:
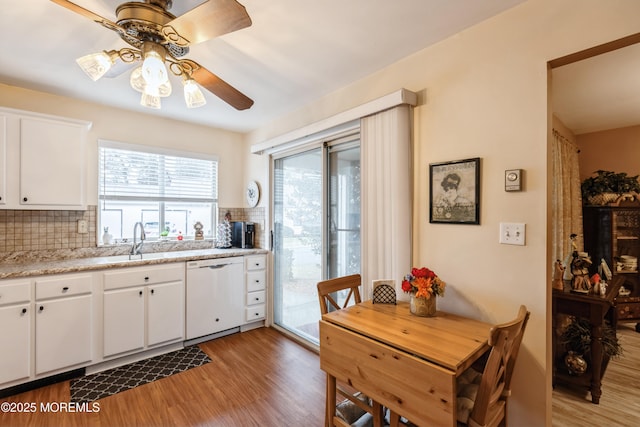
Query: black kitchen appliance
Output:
(243,234)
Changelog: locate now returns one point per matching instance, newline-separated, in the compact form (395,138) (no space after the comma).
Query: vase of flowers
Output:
(424,286)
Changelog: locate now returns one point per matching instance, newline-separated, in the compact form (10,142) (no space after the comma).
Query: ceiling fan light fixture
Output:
(138,83)
(150,100)
(193,96)
(96,65)
(154,72)
(136,80)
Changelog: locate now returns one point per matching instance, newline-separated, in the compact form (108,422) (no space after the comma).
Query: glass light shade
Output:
(139,84)
(193,96)
(153,70)
(150,99)
(95,65)
(136,80)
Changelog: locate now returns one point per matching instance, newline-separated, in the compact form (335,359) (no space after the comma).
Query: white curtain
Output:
(386,196)
(566,201)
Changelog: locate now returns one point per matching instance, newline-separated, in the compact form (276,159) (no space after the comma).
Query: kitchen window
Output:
(168,191)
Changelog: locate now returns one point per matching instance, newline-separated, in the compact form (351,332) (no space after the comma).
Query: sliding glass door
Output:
(316,228)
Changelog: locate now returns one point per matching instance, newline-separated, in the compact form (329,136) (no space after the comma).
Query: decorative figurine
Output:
(199,233)
(580,270)
(558,272)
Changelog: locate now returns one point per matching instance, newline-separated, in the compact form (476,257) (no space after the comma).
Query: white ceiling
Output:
(599,93)
(295,52)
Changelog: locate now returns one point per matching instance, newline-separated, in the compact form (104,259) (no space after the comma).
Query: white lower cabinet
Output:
(143,307)
(16,320)
(63,333)
(256,283)
(123,320)
(165,313)
(63,321)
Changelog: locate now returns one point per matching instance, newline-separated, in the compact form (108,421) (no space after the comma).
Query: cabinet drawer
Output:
(136,276)
(15,292)
(258,297)
(628,310)
(255,281)
(255,262)
(255,312)
(60,286)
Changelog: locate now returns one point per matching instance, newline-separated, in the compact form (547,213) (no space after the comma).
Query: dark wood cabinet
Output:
(612,233)
(596,309)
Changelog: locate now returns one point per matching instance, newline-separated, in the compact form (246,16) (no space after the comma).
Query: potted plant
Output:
(576,337)
(606,186)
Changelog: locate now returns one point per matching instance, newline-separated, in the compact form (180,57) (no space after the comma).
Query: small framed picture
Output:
(454,196)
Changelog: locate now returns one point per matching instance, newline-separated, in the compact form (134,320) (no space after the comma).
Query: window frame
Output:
(103,199)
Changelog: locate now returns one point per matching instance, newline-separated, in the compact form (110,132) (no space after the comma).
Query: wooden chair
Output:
(327,290)
(488,391)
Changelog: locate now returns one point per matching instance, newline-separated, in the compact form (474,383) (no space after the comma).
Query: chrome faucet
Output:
(136,247)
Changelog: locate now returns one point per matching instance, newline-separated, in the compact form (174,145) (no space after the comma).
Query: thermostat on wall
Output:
(513,180)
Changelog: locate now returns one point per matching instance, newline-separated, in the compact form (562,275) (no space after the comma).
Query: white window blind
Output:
(128,175)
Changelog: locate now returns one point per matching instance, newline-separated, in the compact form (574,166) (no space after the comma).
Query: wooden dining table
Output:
(407,363)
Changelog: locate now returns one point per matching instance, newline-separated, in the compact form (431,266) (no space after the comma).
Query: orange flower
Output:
(423,283)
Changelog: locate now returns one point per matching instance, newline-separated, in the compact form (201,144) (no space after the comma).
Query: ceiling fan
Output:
(157,38)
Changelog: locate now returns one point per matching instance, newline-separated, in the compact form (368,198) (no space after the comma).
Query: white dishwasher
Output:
(215,296)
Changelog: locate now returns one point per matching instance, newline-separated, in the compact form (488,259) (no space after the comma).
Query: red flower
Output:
(423,272)
(406,286)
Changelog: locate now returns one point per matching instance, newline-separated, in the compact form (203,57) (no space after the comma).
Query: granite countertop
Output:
(35,267)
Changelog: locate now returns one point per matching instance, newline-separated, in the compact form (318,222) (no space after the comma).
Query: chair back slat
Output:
(505,340)
(327,288)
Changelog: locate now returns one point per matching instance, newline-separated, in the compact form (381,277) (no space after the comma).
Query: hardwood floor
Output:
(261,378)
(255,378)
(620,402)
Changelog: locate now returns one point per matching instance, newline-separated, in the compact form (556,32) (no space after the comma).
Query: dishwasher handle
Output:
(217,266)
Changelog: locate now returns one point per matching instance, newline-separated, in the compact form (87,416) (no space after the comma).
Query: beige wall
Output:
(483,92)
(125,126)
(616,150)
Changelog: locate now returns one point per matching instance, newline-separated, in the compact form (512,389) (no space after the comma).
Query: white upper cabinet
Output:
(42,161)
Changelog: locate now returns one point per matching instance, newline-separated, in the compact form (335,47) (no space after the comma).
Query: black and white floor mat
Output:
(102,384)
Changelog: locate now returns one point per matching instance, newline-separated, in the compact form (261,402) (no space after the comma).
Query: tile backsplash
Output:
(36,230)
(33,230)
(255,215)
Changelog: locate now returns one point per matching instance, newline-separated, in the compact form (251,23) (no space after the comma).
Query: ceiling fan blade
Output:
(210,19)
(82,11)
(93,16)
(217,86)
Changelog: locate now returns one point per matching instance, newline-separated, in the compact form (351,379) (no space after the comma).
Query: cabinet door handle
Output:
(257,299)
(217,319)
(152,291)
(146,279)
(65,289)
(41,307)
(24,310)
(24,199)
(140,293)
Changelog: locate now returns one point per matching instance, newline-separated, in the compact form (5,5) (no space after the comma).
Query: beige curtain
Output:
(386,196)
(566,197)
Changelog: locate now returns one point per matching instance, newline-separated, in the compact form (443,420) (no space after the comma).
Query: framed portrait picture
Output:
(454,196)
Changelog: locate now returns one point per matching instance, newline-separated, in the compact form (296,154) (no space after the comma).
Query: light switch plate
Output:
(512,233)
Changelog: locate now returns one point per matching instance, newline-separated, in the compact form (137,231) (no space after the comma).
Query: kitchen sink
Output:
(127,258)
